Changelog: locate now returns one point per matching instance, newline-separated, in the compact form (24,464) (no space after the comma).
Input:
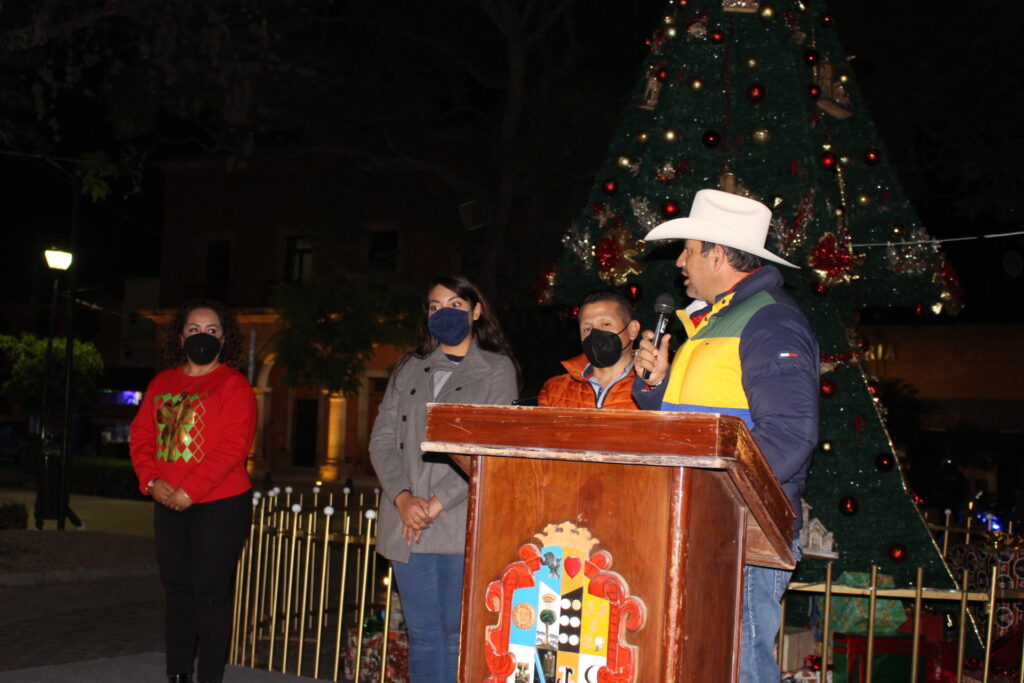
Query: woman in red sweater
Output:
(189,443)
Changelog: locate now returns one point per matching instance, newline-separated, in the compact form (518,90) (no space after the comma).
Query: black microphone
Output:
(664,306)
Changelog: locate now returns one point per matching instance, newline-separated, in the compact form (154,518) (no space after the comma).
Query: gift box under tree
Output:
(891,659)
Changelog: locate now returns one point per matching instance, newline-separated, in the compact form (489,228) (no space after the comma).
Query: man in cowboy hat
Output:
(751,353)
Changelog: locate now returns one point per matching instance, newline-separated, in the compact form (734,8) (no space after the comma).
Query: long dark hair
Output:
(231,349)
(486,329)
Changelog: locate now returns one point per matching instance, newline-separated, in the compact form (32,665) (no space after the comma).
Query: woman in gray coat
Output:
(462,357)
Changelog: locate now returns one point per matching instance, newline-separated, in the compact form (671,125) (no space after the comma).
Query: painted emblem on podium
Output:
(562,615)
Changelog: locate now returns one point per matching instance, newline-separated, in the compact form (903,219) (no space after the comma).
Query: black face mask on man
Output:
(603,349)
(202,348)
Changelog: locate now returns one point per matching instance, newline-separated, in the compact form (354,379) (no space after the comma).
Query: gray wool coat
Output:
(482,377)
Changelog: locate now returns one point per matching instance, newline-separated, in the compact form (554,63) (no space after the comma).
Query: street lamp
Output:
(58,261)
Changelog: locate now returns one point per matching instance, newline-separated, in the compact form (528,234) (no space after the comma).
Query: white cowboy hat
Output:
(723,218)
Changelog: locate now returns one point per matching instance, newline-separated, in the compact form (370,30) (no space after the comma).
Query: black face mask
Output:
(202,348)
(603,349)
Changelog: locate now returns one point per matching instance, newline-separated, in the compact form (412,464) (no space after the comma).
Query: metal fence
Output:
(309,587)
(310,591)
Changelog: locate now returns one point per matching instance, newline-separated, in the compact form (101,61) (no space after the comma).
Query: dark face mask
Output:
(603,349)
(202,348)
(450,326)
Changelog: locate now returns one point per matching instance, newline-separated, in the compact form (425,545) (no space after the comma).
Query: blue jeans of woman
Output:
(762,616)
(430,588)
(196,550)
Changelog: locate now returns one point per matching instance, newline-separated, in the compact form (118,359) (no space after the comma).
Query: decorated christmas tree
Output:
(759,99)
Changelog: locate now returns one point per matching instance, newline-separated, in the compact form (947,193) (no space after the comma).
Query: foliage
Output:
(109,477)
(13,515)
(331,329)
(22,369)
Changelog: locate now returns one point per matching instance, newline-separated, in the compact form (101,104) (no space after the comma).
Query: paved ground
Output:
(83,606)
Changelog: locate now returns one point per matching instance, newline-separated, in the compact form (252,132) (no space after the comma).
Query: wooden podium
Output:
(675,504)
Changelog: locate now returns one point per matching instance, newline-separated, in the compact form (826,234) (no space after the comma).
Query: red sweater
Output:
(195,433)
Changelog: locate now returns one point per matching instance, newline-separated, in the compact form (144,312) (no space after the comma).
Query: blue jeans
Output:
(430,588)
(762,614)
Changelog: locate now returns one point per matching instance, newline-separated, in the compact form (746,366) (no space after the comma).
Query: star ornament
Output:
(834,263)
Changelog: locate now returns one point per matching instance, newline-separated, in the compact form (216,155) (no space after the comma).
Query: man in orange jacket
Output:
(600,377)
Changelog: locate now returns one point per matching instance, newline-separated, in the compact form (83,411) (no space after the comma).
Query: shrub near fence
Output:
(13,515)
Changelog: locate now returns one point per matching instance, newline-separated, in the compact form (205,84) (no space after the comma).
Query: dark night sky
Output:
(120,238)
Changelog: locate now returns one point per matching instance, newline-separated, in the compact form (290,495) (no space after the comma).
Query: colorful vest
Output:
(706,375)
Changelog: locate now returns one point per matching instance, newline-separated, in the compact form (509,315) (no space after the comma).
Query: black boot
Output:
(179,678)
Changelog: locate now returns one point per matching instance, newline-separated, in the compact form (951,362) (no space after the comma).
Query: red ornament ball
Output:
(874,388)
(670,208)
(811,58)
(819,289)
(610,187)
(755,93)
(884,462)
(711,139)
(898,553)
(814,91)
(827,21)
(828,388)
(633,292)
(848,506)
(872,157)
(661,74)
(573,312)
(829,160)
(607,253)
(716,37)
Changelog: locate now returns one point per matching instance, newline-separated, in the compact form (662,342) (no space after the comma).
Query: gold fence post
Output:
(324,559)
(258,593)
(826,631)
(370,516)
(387,630)
(286,617)
(872,600)
(341,592)
(962,636)
(916,646)
(274,585)
(990,626)
(307,568)
(947,532)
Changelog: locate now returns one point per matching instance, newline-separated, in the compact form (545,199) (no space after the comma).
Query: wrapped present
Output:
(798,643)
(850,612)
(398,657)
(891,662)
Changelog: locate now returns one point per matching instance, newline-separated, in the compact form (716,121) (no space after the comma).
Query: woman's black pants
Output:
(197,551)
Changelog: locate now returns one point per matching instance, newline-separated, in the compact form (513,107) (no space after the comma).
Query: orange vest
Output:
(572,390)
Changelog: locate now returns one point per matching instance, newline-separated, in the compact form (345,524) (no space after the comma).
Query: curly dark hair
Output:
(231,350)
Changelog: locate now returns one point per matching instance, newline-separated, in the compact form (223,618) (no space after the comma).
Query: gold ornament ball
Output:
(863,200)
(670,32)
(752,63)
(669,20)
(624,162)
(669,135)
(840,212)
(642,137)
(761,136)
(844,78)
(767,12)
(696,84)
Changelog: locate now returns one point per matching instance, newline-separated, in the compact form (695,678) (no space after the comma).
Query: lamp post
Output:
(58,261)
